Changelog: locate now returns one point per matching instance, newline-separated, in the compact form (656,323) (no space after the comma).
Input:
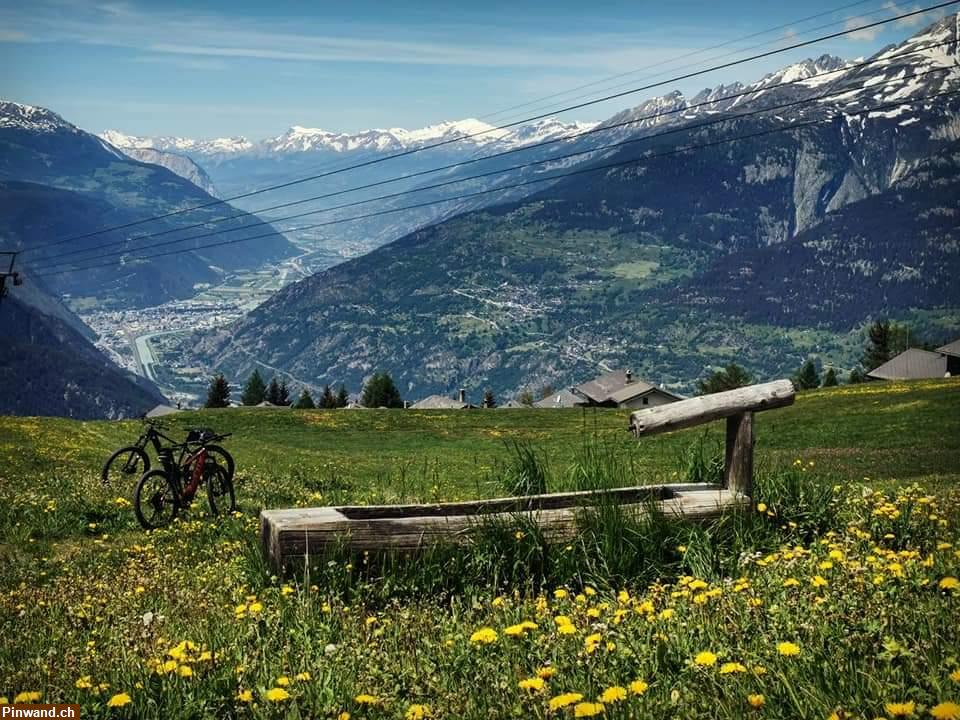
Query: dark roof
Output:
(950,348)
(912,364)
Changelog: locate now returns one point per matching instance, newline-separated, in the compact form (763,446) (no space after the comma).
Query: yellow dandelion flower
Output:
(591,642)
(613,695)
(277,694)
(83,683)
(819,581)
(546,672)
(286,590)
(343,716)
(535,684)
(761,507)
(567,629)
(255,608)
(562,701)
(418,712)
(705,659)
(946,711)
(955,675)
(302,677)
(587,709)
(638,687)
(365,699)
(756,700)
(732,667)
(283,681)
(560,593)
(245,696)
(28,696)
(949,583)
(791,582)
(119,700)
(185,671)
(900,709)
(484,636)
(666,613)
(788,649)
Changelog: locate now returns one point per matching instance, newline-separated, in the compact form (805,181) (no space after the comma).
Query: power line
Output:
(253,213)
(592,168)
(442,143)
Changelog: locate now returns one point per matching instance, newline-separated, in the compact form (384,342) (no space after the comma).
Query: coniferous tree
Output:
(856,376)
(218,394)
(807,376)
(878,345)
(254,391)
(380,391)
(489,401)
(284,393)
(525,398)
(728,378)
(343,398)
(305,401)
(273,392)
(830,378)
(327,400)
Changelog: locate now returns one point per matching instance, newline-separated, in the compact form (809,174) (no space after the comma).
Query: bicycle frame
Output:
(189,461)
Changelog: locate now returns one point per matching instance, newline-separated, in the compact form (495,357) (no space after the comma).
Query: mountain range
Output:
(696,245)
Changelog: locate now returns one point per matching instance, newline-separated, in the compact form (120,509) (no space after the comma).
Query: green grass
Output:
(88,599)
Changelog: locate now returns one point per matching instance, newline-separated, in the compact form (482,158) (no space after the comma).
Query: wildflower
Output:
(535,684)
(302,677)
(955,675)
(666,613)
(587,709)
(705,659)
(343,716)
(83,683)
(900,709)
(819,581)
(255,608)
(546,672)
(560,593)
(732,667)
(638,687)
(613,694)
(562,701)
(245,696)
(119,700)
(185,671)
(277,694)
(497,602)
(286,590)
(364,699)
(484,636)
(283,681)
(946,711)
(418,712)
(788,649)
(791,582)
(756,700)
(949,583)
(591,642)
(761,507)
(27,697)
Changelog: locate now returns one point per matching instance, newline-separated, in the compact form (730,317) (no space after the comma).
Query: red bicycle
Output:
(162,493)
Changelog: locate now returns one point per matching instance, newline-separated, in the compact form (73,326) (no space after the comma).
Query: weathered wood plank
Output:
(738,459)
(290,536)
(694,411)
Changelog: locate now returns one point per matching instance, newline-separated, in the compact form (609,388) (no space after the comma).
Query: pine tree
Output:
(525,398)
(489,401)
(729,378)
(380,391)
(305,402)
(273,392)
(878,345)
(830,378)
(218,394)
(856,377)
(254,391)
(284,393)
(342,397)
(807,377)
(327,400)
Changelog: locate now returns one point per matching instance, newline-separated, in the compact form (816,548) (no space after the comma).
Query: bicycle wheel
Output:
(223,458)
(124,465)
(155,500)
(220,492)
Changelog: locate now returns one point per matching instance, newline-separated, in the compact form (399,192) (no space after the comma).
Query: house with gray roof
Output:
(563,399)
(621,389)
(916,364)
(442,402)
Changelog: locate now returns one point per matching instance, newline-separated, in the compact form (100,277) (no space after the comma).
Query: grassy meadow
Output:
(836,596)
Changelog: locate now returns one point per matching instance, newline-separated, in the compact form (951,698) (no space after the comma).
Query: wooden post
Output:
(738,460)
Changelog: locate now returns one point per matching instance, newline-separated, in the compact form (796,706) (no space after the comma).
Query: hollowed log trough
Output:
(290,537)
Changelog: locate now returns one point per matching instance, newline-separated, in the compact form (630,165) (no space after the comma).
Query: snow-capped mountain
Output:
(216,146)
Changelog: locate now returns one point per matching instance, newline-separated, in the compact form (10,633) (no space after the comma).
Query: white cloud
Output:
(866,33)
(911,21)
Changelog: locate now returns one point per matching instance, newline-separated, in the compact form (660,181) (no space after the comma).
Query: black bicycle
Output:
(162,493)
(133,460)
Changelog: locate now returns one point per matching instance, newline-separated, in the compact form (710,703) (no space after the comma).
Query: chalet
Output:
(563,399)
(915,364)
(621,389)
(442,402)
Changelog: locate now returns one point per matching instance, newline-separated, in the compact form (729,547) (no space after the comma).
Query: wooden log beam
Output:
(738,459)
(694,411)
(291,536)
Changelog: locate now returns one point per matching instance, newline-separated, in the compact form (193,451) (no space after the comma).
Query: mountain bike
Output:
(133,461)
(162,493)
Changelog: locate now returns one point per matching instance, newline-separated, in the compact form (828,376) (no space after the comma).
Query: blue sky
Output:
(213,69)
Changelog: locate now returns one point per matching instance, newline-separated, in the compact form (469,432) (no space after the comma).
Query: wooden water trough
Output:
(291,536)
